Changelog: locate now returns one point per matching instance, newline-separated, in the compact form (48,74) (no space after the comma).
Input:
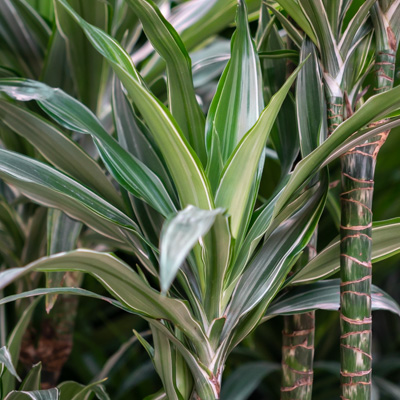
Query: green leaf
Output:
(186,170)
(6,361)
(239,99)
(196,22)
(47,186)
(24,36)
(267,271)
(181,95)
(126,169)
(50,394)
(245,379)
(237,179)
(134,137)
(294,10)
(178,236)
(58,148)
(14,344)
(354,25)
(62,235)
(385,243)
(122,282)
(11,221)
(75,391)
(310,101)
(375,108)
(164,363)
(314,11)
(324,295)
(32,380)
(278,54)
(88,68)
(291,30)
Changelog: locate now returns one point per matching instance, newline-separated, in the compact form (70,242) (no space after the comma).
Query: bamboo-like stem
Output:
(298,346)
(358,168)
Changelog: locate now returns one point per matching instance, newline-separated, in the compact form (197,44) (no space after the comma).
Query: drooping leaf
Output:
(385,243)
(178,237)
(47,186)
(58,148)
(49,394)
(186,170)
(324,295)
(126,169)
(121,281)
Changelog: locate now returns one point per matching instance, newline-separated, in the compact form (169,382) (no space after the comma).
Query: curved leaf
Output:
(181,95)
(238,176)
(50,187)
(374,108)
(122,282)
(58,148)
(126,169)
(49,394)
(385,243)
(178,237)
(324,295)
(6,361)
(266,272)
(183,163)
(245,379)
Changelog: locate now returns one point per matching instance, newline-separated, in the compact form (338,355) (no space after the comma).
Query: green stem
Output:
(335,113)
(298,346)
(358,168)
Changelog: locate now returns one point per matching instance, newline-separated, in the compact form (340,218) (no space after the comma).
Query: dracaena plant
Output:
(340,47)
(191,183)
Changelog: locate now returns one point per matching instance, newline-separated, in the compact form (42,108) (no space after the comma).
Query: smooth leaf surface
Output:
(183,163)
(121,281)
(178,237)
(245,379)
(126,169)
(373,109)
(181,96)
(266,272)
(58,148)
(32,379)
(385,243)
(238,176)
(5,359)
(14,344)
(50,394)
(52,188)
(325,296)
(239,99)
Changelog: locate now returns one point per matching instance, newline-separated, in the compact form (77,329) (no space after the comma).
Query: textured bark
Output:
(298,347)
(358,168)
